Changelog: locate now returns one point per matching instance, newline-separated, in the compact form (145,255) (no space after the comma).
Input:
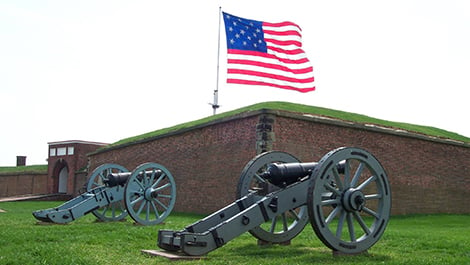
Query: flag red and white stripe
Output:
(268,54)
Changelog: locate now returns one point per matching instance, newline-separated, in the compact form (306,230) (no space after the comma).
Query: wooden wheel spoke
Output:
(167,185)
(147,211)
(157,215)
(357,174)
(339,228)
(273,225)
(142,205)
(361,222)
(294,213)
(339,182)
(330,202)
(259,178)
(104,210)
(373,196)
(347,175)
(352,233)
(332,189)
(367,182)
(161,204)
(139,198)
(332,215)
(284,222)
(160,178)
(371,212)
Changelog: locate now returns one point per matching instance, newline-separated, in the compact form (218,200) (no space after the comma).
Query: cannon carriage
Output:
(147,195)
(345,196)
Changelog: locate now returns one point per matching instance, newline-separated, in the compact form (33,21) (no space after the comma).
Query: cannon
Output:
(346,197)
(147,194)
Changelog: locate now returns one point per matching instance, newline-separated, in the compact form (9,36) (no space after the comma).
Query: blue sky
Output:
(107,70)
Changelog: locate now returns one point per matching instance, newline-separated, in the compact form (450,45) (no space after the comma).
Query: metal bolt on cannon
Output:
(346,197)
(147,194)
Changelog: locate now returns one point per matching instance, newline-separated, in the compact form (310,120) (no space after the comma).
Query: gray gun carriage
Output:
(147,194)
(346,197)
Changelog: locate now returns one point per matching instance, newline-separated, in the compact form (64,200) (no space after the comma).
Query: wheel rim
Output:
(285,226)
(150,194)
(115,211)
(349,200)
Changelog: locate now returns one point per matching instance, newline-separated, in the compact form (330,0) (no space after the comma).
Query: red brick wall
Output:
(426,175)
(205,162)
(22,184)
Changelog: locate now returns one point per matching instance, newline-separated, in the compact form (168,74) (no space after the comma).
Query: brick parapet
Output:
(427,174)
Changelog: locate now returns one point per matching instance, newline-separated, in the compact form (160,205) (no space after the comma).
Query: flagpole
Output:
(215,104)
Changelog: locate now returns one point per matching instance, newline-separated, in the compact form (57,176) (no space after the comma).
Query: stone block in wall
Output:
(265,133)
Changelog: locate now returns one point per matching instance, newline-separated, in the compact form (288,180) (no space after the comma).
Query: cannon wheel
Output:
(150,194)
(349,200)
(285,226)
(115,211)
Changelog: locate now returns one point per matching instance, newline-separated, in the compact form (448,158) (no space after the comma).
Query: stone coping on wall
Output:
(294,115)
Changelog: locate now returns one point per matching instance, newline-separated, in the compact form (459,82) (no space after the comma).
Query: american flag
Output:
(267,54)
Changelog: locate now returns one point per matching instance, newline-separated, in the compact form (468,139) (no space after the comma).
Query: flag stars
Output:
(244,34)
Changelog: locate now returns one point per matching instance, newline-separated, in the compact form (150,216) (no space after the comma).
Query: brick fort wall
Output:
(427,175)
(13,184)
(205,161)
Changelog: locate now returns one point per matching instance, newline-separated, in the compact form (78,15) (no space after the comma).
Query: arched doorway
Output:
(63,176)
(60,176)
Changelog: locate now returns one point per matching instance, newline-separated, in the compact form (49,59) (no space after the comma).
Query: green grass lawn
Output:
(423,239)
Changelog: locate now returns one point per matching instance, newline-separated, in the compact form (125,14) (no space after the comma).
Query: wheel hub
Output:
(353,200)
(150,194)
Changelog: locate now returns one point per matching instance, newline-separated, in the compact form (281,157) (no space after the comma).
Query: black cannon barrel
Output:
(121,178)
(115,179)
(283,174)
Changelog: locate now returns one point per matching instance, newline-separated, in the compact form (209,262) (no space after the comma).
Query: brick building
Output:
(67,165)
